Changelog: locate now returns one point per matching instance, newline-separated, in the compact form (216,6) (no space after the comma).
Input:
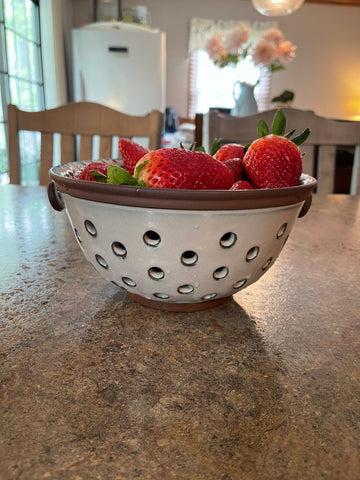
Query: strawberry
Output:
(273,161)
(242,185)
(84,173)
(235,166)
(230,150)
(185,169)
(131,152)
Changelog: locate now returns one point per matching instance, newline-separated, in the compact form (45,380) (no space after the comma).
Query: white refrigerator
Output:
(121,65)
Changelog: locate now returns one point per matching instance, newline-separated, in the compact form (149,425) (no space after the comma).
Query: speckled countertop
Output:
(95,386)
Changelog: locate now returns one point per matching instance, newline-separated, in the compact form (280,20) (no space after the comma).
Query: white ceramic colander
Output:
(178,249)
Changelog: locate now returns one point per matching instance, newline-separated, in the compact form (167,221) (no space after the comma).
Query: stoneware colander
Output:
(180,250)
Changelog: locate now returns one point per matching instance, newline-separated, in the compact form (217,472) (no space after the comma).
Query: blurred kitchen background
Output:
(47,46)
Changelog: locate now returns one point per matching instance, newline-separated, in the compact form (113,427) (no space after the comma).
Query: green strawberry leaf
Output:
(299,139)
(119,176)
(139,168)
(200,149)
(215,146)
(263,129)
(246,147)
(279,123)
(99,177)
(290,134)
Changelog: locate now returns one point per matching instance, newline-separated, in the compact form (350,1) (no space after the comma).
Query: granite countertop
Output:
(96,386)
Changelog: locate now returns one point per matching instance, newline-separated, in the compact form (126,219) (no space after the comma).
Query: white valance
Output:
(201,29)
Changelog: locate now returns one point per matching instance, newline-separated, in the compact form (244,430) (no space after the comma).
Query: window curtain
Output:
(202,29)
(53,56)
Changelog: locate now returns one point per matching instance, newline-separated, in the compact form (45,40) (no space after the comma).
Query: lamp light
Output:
(277,8)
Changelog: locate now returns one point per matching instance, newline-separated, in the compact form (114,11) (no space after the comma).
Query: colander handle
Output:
(306,206)
(54,197)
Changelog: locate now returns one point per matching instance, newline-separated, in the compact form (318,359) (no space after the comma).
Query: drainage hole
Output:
(101,261)
(163,296)
(189,258)
(281,230)
(228,240)
(185,289)
(77,235)
(119,249)
(156,273)
(90,228)
(209,296)
(252,254)
(151,238)
(129,282)
(240,283)
(267,264)
(220,273)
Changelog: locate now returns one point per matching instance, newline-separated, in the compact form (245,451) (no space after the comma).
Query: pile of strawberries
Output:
(273,160)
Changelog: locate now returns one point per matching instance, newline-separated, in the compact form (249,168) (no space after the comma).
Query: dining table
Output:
(96,386)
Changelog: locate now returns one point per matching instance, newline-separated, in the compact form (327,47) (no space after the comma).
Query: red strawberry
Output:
(131,152)
(235,166)
(185,169)
(242,185)
(230,150)
(273,161)
(84,173)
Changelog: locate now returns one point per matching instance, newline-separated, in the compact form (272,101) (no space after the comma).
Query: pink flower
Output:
(236,38)
(286,51)
(264,53)
(215,47)
(273,35)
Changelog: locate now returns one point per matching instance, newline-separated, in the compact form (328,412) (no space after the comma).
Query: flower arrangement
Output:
(272,50)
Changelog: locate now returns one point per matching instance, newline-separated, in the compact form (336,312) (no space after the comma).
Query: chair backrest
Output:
(320,147)
(81,120)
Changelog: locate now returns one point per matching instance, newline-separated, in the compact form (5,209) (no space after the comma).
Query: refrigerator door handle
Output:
(118,49)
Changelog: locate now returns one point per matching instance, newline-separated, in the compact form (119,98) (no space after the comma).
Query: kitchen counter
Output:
(96,386)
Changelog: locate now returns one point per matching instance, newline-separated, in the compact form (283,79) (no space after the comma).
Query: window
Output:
(21,79)
(211,86)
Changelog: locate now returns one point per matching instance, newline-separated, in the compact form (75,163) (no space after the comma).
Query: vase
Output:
(245,103)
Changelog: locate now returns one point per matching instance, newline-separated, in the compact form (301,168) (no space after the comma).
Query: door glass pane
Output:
(27,96)
(30,157)
(23,57)
(21,80)
(19,16)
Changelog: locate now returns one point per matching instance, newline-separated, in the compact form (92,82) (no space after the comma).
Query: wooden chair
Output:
(82,120)
(320,148)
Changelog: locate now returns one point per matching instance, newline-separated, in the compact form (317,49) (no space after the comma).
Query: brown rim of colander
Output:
(177,199)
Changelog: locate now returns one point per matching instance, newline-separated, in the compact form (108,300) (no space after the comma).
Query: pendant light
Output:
(277,8)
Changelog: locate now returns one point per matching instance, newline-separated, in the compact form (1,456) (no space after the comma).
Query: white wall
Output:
(52,54)
(325,75)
